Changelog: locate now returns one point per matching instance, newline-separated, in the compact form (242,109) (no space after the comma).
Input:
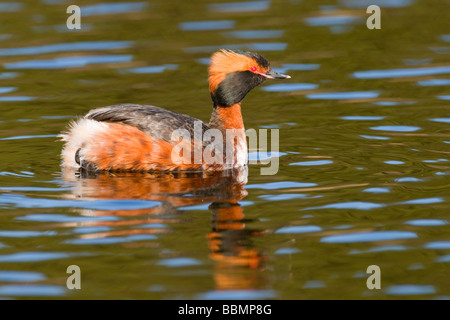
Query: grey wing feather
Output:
(154,121)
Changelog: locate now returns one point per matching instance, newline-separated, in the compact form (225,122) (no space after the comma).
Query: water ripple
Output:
(312,163)
(21,201)
(112,8)
(381,3)
(442,245)
(207,25)
(16,98)
(280,185)
(396,128)
(68,62)
(377,190)
(25,233)
(396,73)
(314,284)
(111,240)
(408,179)
(380,249)
(394,162)
(10,6)
(287,251)
(50,217)
(179,262)
(410,289)
(331,20)
(299,229)
(374,137)
(32,256)
(28,137)
(369,236)
(238,295)
(287,87)
(423,201)
(434,82)
(344,95)
(245,6)
(9,75)
(363,118)
(254,34)
(7,89)
(61,47)
(445,120)
(32,290)
(151,69)
(358,205)
(426,222)
(257,46)
(21,276)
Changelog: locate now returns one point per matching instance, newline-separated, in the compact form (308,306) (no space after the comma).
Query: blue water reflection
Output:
(280,185)
(363,118)
(344,95)
(21,201)
(396,128)
(261,46)
(369,236)
(434,82)
(25,256)
(254,34)
(238,295)
(62,47)
(410,289)
(68,62)
(377,190)
(396,73)
(287,87)
(32,290)
(245,6)
(151,69)
(10,6)
(441,245)
(314,284)
(25,233)
(287,251)
(112,8)
(312,163)
(331,20)
(111,240)
(207,25)
(21,276)
(380,3)
(357,205)
(7,89)
(16,98)
(427,222)
(374,137)
(179,262)
(299,229)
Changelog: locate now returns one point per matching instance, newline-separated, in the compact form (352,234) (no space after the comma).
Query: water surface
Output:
(364,153)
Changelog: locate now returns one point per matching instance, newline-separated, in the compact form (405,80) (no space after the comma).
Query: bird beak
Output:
(271,74)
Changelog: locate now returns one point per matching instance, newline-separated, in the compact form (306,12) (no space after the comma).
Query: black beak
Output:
(271,74)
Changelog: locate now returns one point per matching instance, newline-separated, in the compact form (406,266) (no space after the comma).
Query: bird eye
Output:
(253,69)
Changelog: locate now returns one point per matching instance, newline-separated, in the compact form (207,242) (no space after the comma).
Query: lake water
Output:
(364,152)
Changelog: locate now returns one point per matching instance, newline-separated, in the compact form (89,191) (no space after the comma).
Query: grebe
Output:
(131,137)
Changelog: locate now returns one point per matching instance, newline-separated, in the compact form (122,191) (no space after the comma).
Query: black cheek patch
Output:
(235,87)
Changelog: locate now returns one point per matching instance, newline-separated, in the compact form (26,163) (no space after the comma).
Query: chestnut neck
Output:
(224,118)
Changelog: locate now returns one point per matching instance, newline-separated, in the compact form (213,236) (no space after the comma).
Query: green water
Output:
(364,156)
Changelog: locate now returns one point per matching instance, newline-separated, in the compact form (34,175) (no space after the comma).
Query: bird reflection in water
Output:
(229,240)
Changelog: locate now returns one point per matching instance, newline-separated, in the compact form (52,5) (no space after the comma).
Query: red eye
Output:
(253,69)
